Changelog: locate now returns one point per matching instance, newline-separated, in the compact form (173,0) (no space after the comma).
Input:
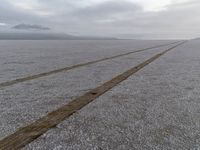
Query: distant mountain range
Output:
(48,36)
(30,27)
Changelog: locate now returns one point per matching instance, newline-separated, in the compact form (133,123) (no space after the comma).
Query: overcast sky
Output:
(119,18)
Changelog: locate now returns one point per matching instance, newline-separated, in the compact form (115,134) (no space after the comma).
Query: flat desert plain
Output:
(156,107)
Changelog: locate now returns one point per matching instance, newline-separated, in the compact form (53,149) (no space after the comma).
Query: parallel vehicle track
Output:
(32,77)
(27,134)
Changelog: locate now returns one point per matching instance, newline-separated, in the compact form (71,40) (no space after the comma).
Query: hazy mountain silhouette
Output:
(30,27)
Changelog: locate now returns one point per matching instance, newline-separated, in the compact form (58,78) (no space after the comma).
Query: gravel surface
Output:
(157,108)
(23,58)
(23,103)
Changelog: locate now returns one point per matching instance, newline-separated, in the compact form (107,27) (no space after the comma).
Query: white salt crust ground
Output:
(23,103)
(23,58)
(157,108)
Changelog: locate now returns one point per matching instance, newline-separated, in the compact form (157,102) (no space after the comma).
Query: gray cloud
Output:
(11,14)
(108,18)
(107,10)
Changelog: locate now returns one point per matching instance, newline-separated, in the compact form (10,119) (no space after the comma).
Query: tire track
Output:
(32,77)
(27,134)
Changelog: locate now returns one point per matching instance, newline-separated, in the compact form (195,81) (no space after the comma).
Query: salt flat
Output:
(23,58)
(24,103)
(157,108)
